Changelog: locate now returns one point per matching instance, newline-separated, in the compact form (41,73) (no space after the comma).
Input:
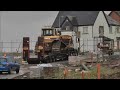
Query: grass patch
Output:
(91,75)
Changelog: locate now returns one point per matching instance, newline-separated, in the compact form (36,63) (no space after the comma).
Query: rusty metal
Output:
(26,48)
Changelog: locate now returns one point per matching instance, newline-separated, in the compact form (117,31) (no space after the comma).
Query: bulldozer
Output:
(51,46)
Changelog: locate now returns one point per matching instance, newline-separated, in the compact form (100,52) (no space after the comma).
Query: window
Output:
(67,27)
(101,30)
(110,30)
(118,29)
(50,32)
(75,29)
(77,40)
(85,30)
(47,32)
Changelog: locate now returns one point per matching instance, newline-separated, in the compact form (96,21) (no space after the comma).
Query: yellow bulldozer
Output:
(51,46)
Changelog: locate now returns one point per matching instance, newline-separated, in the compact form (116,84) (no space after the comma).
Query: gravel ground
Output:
(24,70)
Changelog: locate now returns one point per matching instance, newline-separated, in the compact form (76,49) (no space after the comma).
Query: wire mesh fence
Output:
(84,45)
(14,46)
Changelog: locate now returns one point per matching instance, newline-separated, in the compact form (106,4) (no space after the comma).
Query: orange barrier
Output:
(98,71)
(65,72)
(83,75)
(5,54)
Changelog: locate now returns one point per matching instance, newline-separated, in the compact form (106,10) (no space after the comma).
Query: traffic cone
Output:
(5,54)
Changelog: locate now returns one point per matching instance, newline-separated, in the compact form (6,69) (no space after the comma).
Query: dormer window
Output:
(67,27)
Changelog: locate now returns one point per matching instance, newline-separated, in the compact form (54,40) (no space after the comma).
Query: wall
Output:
(100,21)
(86,40)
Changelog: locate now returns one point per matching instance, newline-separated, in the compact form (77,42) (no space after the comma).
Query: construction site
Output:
(64,51)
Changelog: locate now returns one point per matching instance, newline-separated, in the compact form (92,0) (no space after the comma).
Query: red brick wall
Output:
(115,16)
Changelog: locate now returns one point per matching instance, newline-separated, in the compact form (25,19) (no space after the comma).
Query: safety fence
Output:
(14,46)
(84,45)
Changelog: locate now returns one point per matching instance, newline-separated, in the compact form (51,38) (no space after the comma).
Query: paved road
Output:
(13,74)
(24,69)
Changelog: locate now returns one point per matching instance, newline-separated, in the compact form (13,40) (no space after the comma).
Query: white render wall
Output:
(115,35)
(86,40)
(101,21)
(115,32)
(85,36)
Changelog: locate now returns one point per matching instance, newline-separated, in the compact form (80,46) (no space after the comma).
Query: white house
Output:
(86,28)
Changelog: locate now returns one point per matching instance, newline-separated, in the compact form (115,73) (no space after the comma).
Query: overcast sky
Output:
(14,25)
(17,24)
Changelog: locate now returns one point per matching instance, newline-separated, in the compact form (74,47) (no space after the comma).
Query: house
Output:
(115,15)
(86,27)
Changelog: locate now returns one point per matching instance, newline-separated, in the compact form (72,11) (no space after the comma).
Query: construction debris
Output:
(43,70)
(85,67)
(35,72)
(75,60)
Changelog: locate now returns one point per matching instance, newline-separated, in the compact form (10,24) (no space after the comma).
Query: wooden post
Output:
(98,71)
(65,72)
(83,75)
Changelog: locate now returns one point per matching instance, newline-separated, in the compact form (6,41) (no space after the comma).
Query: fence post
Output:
(2,46)
(98,70)
(92,57)
(65,72)
(11,46)
(87,45)
(83,74)
(83,45)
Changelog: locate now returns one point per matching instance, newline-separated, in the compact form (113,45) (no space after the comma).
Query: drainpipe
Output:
(93,39)
(92,31)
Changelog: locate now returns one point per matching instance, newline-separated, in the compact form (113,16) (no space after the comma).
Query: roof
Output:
(79,17)
(73,20)
(111,21)
(118,12)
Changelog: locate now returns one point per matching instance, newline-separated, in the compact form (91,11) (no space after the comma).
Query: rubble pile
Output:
(43,71)
(75,60)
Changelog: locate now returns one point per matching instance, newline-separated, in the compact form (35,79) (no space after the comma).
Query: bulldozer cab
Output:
(49,32)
